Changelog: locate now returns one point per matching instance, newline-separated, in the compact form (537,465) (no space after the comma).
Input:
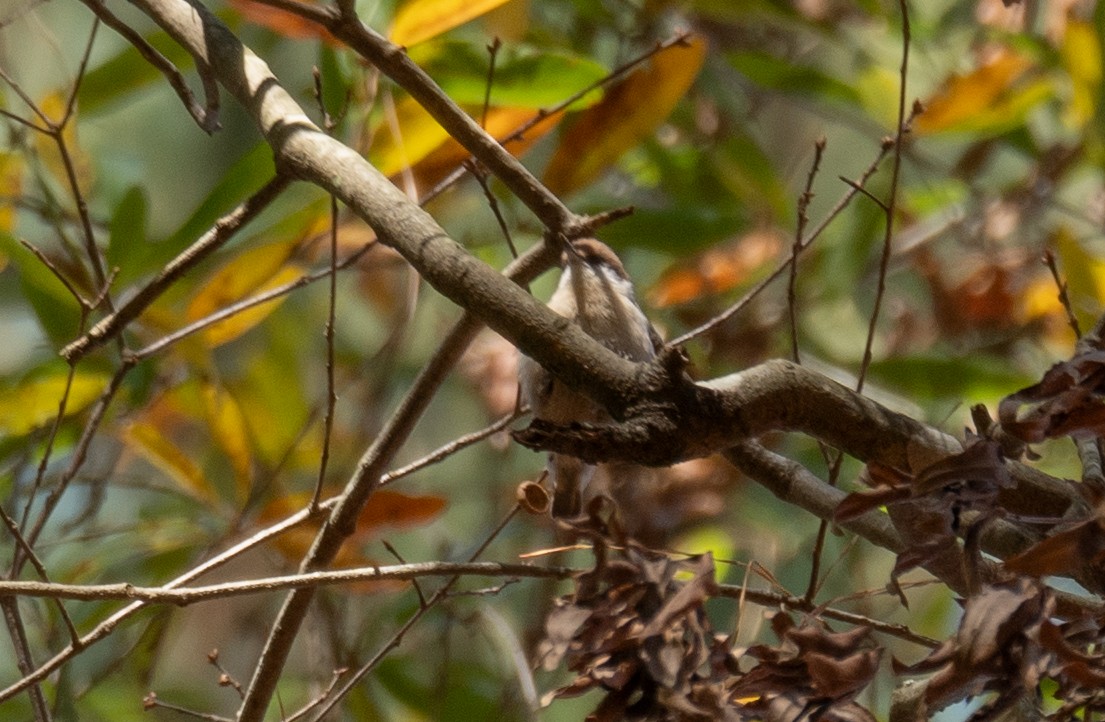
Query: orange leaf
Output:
(398,510)
(717,270)
(966,96)
(628,113)
(419,20)
(228,428)
(283,22)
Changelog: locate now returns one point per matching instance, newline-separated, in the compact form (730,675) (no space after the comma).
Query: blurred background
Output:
(711,138)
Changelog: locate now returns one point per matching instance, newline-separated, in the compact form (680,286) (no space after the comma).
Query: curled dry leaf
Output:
(636,632)
(813,671)
(1068,401)
(968,481)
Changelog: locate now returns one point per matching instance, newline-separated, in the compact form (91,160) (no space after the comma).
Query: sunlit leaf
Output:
(149,438)
(995,96)
(248,274)
(1081,53)
(228,429)
(628,113)
(385,509)
(1084,276)
(395,510)
(429,153)
(419,20)
(34,402)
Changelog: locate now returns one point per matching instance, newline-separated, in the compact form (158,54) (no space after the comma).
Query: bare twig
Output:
(40,568)
(891,203)
(331,314)
(1061,286)
(796,249)
(9,607)
(217,236)
(182,596)
(397,638)
(235,308)
(207,117)
(449,449)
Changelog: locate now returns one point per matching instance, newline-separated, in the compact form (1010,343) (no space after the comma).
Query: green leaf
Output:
(56,309)
(789,77)
(34,402)
(524,77)
(967,378)
(127,246)
(242,179)
(126,73)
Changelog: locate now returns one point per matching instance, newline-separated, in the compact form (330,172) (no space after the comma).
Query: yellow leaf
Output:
(628,113)
(148,439)
(11,173)
(418,135)
(980,98)
(1081,53)
(250,273)
(35,402)
(430,154)
(419,20)
(229,431)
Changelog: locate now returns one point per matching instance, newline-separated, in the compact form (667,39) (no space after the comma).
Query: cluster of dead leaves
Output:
(939,497)
(636,627)
(1007,643)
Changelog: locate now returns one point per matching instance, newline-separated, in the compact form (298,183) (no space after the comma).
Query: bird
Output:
(596,293)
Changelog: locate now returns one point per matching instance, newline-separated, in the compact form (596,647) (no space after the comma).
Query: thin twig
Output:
(331,315)
(40,568)
(214,238)
(207,117)
(799,231)
(492,53)
(183,596)
(245,304)
(9,606)
(397,638)
(493,203)
(892,201)
(1064,299)
(449,449)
